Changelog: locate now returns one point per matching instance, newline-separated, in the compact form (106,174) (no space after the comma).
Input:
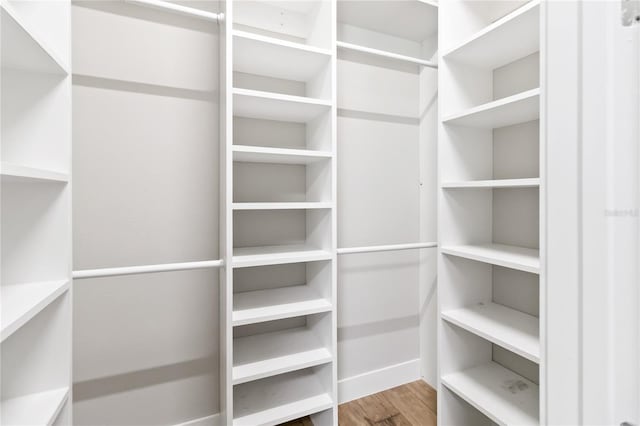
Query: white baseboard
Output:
(212,420)
(355,387)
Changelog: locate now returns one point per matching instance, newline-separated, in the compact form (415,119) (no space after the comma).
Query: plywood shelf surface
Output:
(272,304)
(18,173)
(509,328)
(512,37)
(272,57)
(264,355)
(34,409)
(279,399)
(520,258)
(500,394)
(21,302)
(493,183)
(275,106)
(259,154)
(23,49)
(519,108)
(274,255)
(283,205)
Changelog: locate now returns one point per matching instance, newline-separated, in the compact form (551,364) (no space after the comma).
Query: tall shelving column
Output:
(489,284)
(35,301)
(278,299)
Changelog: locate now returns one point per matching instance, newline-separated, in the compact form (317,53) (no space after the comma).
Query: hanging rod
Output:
(146,269)
(389,247)
(180,10)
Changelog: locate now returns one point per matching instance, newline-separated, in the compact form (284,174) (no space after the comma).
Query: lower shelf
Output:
(264,355)
(520,258)
(500,394)
(279,399)
(35,409)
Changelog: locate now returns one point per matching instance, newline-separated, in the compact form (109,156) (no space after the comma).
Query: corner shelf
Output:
(17,173)
(509,328)
(259,154)
(275,255)
(514,36)
(385,54)
(283,205)
(256,54)
(515,109)
(520,258)
(265,355)
(34,409)
(493,183)
(500,394)
(22,302)
(275,106)
(267,305)
(279,399)
(24,50)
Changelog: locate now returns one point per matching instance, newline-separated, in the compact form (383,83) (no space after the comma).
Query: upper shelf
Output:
(385,54)
(512,37)
(520,258)
(276,106)
(260,154)
(24,50)
(508,111)
(34,409)
(16,173)
(493,183)
(272,57)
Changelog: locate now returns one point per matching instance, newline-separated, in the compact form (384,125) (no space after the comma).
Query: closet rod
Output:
(389,247)
(146,269)
(180,10)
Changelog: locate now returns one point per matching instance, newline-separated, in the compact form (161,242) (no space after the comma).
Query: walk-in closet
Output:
(319,212)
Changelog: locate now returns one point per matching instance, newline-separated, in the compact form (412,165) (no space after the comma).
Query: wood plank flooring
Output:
(412,404)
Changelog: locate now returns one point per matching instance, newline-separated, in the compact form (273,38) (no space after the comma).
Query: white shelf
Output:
(515,109)
(267,305)
(494,183)
(24,50)
(170,7)
(272,57)
(21,302)
(282,206)
(275,255)
(512,37)
(511,329)
(275,106)
(259,154)
(35,409)
(500,394)
(279,399)
(17,173)
(385,54)
(264,355)
(520,258)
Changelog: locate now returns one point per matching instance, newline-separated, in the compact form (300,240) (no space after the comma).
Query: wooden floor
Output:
(413,404)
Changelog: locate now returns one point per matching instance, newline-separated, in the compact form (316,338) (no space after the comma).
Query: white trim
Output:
(212,420)
(375,381)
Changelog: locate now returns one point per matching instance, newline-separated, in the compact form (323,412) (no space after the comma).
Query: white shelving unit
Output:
(489,152)
(35,294)
(278,301)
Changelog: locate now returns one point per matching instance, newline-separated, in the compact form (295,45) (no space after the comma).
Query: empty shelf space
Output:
(385,54)
(512,37)
(21,302)
(259,154)
(275,106)
(17,173)
(279,399)
(511,329)
(515,109)
(494,183)
(264,355)
(34,409)
(500,394)
(22,49)
(255,54)
(282,206)
(275,255)
(266,305)
(520,258)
